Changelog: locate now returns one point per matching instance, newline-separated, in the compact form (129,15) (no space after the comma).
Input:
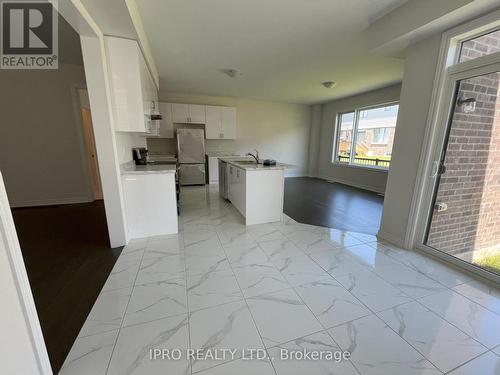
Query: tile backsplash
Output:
(161,146)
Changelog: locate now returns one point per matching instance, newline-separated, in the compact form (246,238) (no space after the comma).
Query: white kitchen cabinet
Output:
(166,122)
(150,204)
(188,113)
(212,125)
(228,122)
(197,114)
(180,113)
(256,193)
(213,169)
(237,188)
(132,85)
(220,122)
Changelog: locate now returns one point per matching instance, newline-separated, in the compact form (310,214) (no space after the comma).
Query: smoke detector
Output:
(329,84)
(230,72)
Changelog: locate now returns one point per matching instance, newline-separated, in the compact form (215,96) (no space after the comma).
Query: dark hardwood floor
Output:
(68,258)
(318,202)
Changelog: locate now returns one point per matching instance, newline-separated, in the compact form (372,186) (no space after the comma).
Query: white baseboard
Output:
(295,174)
(50,202)
(349,183)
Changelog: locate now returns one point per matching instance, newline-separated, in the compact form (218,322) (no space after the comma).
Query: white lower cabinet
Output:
(150,204)
(257,194)
(213,169)
(237,188)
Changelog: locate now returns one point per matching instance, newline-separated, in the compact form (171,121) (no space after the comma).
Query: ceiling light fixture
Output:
(230,72)
(329,84)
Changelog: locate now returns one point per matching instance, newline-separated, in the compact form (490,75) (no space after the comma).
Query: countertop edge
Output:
(279,166)
(130,168)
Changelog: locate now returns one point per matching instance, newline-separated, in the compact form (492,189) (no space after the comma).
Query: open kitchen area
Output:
(267,187)
(154,181)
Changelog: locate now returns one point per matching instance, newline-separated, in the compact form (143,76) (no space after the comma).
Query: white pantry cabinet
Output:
(134,93)
(220,122)
(188,113)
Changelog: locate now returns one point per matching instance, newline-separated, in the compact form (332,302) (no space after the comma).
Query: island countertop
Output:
(253,166)
(131,168)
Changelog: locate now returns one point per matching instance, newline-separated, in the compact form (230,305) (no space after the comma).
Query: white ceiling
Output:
(283,48)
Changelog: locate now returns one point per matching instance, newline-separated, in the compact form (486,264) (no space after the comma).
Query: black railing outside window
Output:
(373,161)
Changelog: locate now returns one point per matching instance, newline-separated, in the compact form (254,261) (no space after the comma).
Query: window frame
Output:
(357,111)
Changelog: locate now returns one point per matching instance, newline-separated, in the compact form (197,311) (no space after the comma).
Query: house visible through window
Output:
(346,121)
(381,135)
(368,131)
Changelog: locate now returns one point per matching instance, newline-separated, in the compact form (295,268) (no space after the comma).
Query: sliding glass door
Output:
(464,220)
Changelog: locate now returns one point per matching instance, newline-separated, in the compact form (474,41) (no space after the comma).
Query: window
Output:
(345,124)
(373,130)
(483,45)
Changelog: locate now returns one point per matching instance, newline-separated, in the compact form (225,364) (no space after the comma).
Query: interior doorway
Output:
(88,134)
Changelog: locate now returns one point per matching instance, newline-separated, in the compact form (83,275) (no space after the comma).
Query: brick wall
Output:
(471,185)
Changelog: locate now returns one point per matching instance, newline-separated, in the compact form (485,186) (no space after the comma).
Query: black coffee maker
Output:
(140,155)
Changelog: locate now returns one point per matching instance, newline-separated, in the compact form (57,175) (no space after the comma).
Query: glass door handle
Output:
(435,168)
(438,168)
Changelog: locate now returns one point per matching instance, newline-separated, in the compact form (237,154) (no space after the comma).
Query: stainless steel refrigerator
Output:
(191,155)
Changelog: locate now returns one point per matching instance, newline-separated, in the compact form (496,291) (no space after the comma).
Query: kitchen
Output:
(176,135)
(253,186)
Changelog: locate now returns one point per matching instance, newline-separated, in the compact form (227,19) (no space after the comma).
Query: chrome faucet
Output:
(255,156)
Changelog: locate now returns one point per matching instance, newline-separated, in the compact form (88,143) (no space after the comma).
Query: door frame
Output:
(432,181)
(86,157)
(29,343)
(442,105)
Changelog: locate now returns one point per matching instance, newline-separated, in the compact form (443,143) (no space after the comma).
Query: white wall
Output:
(22,349)
(315,139)
(369,179)
(42,154)
(278,130)
(418,81)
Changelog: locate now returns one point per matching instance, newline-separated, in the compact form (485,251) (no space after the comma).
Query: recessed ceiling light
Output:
(329,84)
(230,72)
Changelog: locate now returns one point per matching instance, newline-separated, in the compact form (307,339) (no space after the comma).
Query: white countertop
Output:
(254,167)
(222,154)
(131,168)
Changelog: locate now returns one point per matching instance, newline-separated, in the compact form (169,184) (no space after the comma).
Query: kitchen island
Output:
(255,190)
(150,199)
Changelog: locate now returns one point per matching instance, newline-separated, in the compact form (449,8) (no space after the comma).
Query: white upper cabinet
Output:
(166,123)
(221,122)
(180,113)
(228,122)
(212,126)
(188,113)
(134,93)
(197,114)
